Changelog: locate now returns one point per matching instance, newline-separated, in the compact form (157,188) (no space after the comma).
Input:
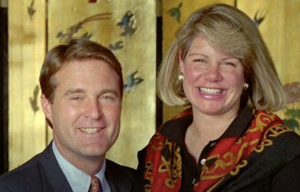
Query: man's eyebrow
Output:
(74,91)
(79,90)
(113,91)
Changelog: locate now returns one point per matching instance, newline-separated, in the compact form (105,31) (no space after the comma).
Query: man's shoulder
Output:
(21,177)
(28,167)
(115,167)
(38,173)
(122,178)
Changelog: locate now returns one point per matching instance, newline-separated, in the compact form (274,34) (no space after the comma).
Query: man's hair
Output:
(77,49)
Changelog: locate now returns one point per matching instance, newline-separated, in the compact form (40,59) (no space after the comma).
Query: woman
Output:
(229,140)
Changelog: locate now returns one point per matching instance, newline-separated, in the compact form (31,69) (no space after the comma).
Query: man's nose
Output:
(93,109)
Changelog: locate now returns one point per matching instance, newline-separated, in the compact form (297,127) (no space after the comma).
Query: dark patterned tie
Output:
(95,185)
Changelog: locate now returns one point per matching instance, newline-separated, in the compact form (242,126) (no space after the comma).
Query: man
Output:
(82,99)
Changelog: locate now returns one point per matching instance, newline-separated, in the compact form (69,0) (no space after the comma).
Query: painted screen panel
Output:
(280,27)
(27,46)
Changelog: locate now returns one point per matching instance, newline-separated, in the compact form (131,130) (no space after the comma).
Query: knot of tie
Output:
(95,185)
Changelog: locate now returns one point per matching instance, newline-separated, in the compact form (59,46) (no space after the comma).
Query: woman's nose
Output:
(93,110)
(213,73)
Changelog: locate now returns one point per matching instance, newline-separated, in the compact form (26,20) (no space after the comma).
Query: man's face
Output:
(86,110)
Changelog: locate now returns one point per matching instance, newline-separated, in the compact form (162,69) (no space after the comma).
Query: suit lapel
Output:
(53,178)
(117,178)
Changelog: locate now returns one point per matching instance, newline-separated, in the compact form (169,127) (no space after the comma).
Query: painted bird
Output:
(115,46)
(126,19)
(66,37)
(34,100)
(31,10)
(258,20)
(132,82)
(86,35)
(128,30)
(127,23)
(175,12)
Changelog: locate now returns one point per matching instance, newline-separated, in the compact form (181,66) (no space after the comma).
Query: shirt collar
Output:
(175,129)
(79,180)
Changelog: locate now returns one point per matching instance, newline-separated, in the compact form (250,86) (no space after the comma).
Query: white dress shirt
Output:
(78,180)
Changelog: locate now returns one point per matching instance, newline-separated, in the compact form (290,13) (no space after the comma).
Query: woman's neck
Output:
(211,126)
(205,128)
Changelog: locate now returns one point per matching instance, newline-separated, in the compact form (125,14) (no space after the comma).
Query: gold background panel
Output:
(27,133)
(280,29)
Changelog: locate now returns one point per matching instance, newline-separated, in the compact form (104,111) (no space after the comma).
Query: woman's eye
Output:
(229,64)
(199,60)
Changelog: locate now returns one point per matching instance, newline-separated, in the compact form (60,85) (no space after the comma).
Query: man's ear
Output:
(46,105)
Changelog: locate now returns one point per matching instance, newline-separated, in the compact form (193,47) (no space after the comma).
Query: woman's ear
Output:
(181,64)
(46,105)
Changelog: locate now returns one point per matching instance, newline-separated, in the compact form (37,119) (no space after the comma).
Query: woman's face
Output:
(213,81)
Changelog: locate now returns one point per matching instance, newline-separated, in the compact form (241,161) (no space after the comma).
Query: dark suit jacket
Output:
(43,174)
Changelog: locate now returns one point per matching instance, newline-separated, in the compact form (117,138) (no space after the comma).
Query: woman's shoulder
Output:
(288,177)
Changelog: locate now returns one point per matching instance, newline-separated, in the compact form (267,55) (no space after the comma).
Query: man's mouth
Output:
(90,130)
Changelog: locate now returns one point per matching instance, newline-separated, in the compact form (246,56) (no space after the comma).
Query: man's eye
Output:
(76,98)
(107,97)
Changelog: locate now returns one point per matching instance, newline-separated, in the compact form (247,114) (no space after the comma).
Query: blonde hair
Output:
(233,32)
